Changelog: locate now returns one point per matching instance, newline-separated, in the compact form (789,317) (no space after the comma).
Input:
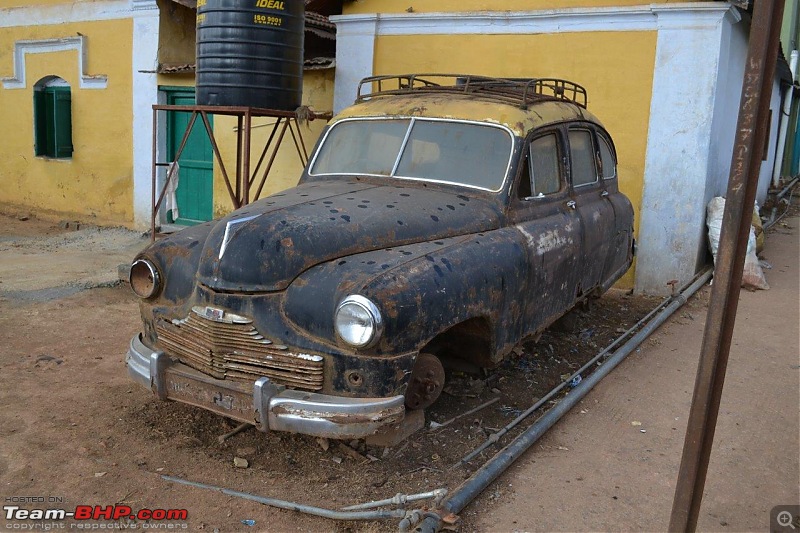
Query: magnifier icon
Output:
(785,519)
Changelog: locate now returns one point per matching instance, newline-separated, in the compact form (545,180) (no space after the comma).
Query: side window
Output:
(607,159)
(52,116)
(544,165)
(582,158)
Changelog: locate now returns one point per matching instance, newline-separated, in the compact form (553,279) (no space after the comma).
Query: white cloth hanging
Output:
(172,188)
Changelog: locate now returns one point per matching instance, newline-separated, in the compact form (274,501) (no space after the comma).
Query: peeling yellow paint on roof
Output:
(469,107)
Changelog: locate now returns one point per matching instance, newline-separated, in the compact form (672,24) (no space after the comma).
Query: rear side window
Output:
(607,159)
(544,165)
(582,158)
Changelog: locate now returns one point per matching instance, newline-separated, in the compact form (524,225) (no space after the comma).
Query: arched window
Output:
(52,116)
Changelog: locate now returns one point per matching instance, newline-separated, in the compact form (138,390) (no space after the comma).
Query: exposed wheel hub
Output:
(427,380)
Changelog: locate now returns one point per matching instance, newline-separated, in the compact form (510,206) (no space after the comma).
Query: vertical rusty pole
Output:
(239,195)
(751,130)
(153,174)
(248,127)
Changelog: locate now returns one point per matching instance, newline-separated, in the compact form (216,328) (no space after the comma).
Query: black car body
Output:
(435,220)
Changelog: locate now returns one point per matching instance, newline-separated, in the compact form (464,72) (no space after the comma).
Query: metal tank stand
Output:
(241,187)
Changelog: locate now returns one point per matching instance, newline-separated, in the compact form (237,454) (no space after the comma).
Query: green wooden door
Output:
(196,185)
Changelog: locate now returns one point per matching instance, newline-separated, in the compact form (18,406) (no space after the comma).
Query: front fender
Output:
(421,289)
(176,257)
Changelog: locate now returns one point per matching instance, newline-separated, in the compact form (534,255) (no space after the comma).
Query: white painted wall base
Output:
(682,164)
(695,107)
(145,94)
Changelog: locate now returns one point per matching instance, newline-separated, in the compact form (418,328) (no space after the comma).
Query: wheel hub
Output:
(426,383)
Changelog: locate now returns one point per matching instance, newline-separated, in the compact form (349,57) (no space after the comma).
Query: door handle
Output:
(571,204)
(604,194)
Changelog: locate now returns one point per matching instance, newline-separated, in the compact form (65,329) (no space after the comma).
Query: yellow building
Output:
(79,79)
(65,68)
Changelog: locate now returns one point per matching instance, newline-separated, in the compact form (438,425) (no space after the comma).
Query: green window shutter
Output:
(40,123)
(49,113)
(62,122)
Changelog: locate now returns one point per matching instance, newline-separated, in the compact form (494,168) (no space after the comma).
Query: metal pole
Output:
(252,179)
(272,158)
(153,179)
(239,134)
(248,124)
(171,170)
(751,130)
(212,139)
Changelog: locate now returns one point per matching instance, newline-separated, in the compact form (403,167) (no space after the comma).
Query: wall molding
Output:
(143,5)
(45,46)
(632,18)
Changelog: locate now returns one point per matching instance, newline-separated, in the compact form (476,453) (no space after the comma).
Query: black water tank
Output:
(250,53)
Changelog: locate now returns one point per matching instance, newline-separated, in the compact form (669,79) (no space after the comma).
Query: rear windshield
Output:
(464,153)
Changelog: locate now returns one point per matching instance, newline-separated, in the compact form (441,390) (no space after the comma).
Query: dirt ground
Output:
(42,260)
(74,427)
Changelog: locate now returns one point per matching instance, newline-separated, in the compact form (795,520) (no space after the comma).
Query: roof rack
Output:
(516,91)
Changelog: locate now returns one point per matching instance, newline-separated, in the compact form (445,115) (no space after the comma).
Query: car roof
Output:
(520,105)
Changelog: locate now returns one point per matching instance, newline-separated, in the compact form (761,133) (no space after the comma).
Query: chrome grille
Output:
(225,345)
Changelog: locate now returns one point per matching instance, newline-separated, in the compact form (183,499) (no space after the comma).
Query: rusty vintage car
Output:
(441,220)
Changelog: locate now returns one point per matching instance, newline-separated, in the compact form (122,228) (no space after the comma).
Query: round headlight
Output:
(358,321)
(144,279)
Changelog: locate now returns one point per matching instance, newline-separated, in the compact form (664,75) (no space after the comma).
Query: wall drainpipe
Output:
(783,129)
(498,464)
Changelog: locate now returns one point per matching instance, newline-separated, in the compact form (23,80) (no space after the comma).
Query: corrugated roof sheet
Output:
(315,63)
(319,21)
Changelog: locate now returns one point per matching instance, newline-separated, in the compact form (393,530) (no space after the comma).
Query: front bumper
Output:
(264,404)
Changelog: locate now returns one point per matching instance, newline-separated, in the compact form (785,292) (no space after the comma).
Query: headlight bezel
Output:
(371,309)
(145,267)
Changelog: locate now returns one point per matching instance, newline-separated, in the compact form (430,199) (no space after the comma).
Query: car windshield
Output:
(464,153)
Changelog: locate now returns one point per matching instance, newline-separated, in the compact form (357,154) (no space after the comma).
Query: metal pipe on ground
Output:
(774,220)
(495,437)
(292,506)
(400,499)
(783,128)
(788,187)
(778,197)
(498,464)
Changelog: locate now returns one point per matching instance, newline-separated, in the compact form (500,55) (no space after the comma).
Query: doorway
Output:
(195,192)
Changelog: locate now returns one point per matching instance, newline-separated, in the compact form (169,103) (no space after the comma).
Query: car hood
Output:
(265,245)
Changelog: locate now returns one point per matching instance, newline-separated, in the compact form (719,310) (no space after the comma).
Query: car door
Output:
(589,199)
(550,228)
(621,250)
